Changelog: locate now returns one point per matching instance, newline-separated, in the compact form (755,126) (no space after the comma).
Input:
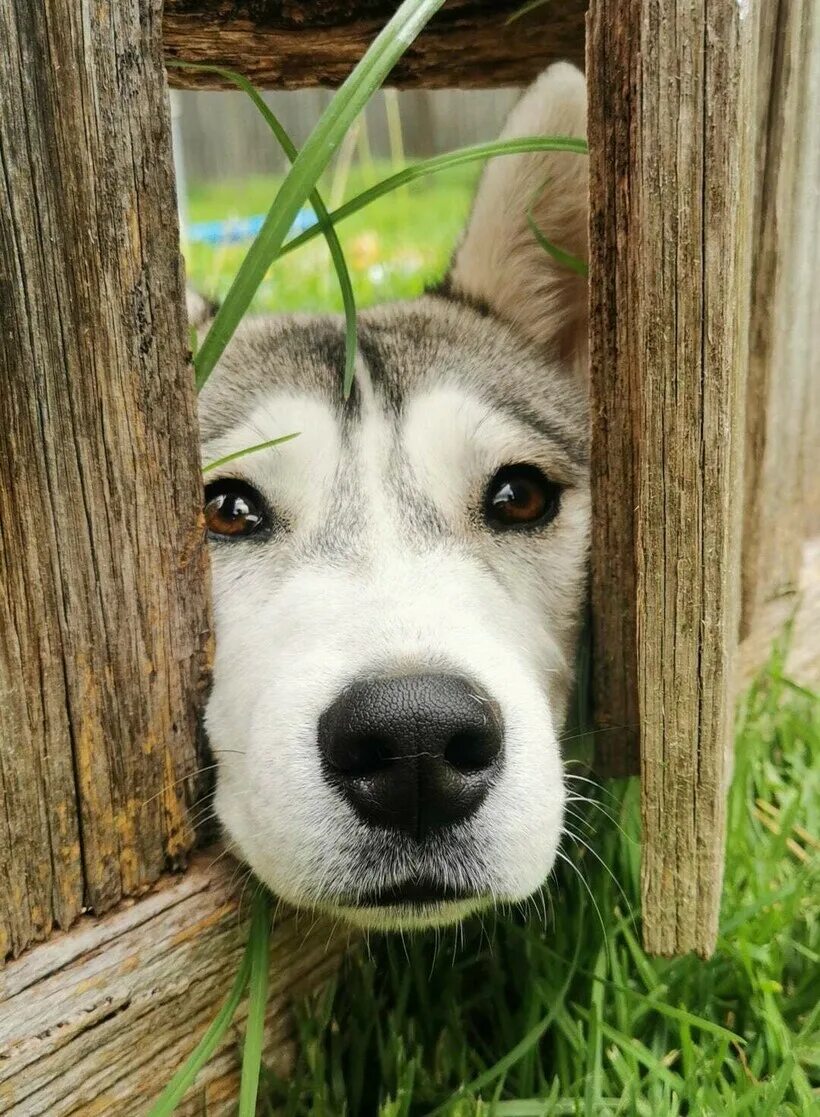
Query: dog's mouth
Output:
(417,893)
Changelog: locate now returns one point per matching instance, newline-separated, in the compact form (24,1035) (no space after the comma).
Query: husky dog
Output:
(398,590)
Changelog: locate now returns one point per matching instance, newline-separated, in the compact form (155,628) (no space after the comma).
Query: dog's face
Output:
(397,590)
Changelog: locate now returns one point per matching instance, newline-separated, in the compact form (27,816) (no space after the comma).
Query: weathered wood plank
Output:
(469,43)
(794,618)
(102,559)
(98,1019)
(670,371)
(782,482)
(615,390)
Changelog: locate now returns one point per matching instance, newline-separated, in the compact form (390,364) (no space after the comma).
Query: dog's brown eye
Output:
(521,496)
(234,509)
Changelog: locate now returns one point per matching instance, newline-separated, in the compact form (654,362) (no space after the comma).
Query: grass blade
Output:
(317,152)
(521,1048)
(316,201)
(460,157)
(173,1093)
(249,450)
(574,263)
(259,949)
(525,10)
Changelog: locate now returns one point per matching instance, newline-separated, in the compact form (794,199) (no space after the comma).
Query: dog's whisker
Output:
(568,860)
(599,807)
(607,869)
(175,783)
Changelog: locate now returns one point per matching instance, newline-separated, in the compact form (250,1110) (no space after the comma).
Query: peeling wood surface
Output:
(286,45)
(782,481)
(670,105)
(102,560)
(98,1019)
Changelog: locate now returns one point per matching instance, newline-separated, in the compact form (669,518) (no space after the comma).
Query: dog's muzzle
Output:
(414,753)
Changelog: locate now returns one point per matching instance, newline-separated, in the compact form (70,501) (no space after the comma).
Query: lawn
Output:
(555,1009)
(393,247)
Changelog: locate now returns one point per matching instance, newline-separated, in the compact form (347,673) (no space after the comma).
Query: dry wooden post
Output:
(782,495)
(103,618)
(670,234)
(469,43)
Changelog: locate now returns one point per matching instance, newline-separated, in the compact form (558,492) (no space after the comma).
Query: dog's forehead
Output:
(404,350)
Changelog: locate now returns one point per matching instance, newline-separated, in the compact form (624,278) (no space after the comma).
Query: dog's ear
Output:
(500,261)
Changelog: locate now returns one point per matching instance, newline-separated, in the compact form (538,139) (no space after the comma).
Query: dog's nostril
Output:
(472,750)
(414,752)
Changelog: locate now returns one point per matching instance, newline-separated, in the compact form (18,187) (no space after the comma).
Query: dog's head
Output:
(398,590)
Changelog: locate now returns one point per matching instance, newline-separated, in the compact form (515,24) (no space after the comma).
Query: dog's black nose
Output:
(414,752)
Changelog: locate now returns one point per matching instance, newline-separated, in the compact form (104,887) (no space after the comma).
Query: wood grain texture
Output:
(669,371)
(284,45)
(793,619)
(615,389)
(782,482)
(102,561)
(97,1020)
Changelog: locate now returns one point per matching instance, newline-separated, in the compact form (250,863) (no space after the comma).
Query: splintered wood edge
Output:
(98,1019)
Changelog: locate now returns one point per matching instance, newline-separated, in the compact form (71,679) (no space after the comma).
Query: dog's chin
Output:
(413,905)
(415,916)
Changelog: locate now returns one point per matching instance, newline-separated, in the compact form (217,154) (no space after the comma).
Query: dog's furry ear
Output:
(500,262)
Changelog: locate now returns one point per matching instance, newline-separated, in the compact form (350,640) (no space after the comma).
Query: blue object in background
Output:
(234,230)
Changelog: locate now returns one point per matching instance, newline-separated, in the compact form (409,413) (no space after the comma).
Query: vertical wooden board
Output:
(614,390)
(103,616)
(669,95)
(782,493)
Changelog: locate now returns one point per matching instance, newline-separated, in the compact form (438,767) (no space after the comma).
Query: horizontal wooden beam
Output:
(98,1019)
(469,44)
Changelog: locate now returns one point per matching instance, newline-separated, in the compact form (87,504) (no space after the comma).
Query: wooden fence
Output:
(221,135)
(705,289)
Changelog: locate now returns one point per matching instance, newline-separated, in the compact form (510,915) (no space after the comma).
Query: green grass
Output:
(393,247)
(519,1016)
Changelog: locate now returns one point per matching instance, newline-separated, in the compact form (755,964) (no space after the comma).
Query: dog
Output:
(398,591)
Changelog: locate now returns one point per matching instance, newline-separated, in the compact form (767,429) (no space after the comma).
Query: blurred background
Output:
(229,168)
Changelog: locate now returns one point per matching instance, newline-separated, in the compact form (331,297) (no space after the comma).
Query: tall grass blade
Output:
(317,152)
(316,201)
(525,9)
(176,1089)
(574,263)
(259,946)
(218,462)
(460,157)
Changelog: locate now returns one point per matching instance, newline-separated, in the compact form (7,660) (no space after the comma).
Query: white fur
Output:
(289,639)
